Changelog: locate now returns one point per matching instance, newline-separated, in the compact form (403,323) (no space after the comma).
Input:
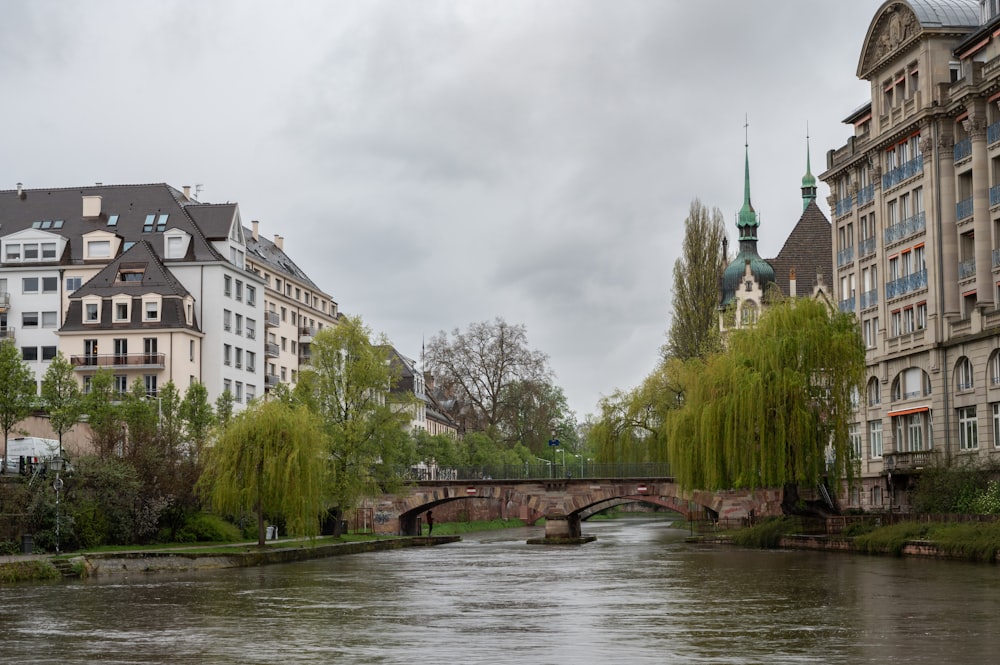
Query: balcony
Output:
(866,195)
(846,305)
(903,172)
(869,299)
(967,268)
(271,349)
(993,132)
(909,226)
(272,319)
(305,355)
(271,380)
(963,209)
(118,361)
(306,334)
(845,256)
(843,206)
(994,195)
(915,461)
(866,247)
(996,258)
(963,149)
(906,284)
(7,333)
(4,301)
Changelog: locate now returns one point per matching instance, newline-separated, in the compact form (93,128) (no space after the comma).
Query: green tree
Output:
(224,409)
(533,414)
(347,385)
(104,414)
(17,392)
(765,412)
(270,459)
(198,418)
(61,396)
(694,326)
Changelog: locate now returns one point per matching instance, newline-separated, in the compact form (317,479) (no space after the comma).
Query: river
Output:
(639,594)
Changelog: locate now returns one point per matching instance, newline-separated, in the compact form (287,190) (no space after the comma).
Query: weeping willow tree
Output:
(271,458)
(631,427)
(774,406)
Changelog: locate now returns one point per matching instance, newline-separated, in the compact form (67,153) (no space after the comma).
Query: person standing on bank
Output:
(430,522)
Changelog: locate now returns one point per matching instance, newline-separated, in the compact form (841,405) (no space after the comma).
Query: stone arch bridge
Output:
(564,503)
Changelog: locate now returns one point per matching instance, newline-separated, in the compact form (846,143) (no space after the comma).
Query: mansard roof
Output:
(123,211)
(808,250)
(262,250)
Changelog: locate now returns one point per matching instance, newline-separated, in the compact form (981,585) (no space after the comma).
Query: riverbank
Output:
(46,567)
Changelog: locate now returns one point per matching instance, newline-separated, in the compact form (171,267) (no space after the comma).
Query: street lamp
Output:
(542,459)
(579,457)
(56,464)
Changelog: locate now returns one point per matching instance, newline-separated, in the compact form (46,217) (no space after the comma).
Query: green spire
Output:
(747,222)
(808,180)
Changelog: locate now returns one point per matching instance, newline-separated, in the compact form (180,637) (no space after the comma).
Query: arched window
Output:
(964,375)
(911,382)
(749,313)
(874,392)
(994,372)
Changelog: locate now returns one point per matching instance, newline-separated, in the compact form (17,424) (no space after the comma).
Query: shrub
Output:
(205,528)
(766,535)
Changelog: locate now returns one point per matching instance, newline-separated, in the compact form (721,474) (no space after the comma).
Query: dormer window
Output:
(99,249)
(113,220)
(130,275)
(156,223)
(121,311)
(13,251)
(151,308)
(91,312)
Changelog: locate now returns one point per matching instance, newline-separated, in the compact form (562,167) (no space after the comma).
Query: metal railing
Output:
(536,471)
(845,256)
(963,209)
(910,460)
(126,360)
(843,206)
(846,305)
(866,246)
(866,194)
(869,299)
(910,225)
(967,268)
(906,283)
(963,149)
(903,172)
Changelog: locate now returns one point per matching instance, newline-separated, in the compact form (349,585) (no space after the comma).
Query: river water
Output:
(639,594)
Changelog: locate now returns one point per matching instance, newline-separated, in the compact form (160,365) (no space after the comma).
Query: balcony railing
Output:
(271,349)
(967,268)
(866,247)
(963,149)
(866,194)
(869,299)
(910,461)
(847,304)
(843,206)
(903,172)
(994,195)
(4,301)
(6,333)
(905,284)
(119,361)
(272,319)
(271,380)
(908,226)
(845,256)
(993,131)
(963,209)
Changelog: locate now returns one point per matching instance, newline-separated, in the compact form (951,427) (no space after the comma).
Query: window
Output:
(871,332)
(175,247)
(50,319)
(29,285)
(29,319)
(251,329)
(50,284)
(284,314)
(88,381)
(251,392)
(239,391)
(150,383)
(239,357)
(251,361)
(13,252)
(963,375)
(239,324)
(915,431)
(130,275)
(113,220)
(921,316)
(191,350)
(90,312)
(227,386)
(995,368)
(897,323)
(121,384)
(99,249)
(968,438)
(48,352)
(73,283)
(909,321)
(121,351)
(239,290)
(874,393)
(227,323)
(251,295)
(121,311)
(854,436)
(90,351)
(152,310)
(227,286)
(29,353)
(996,424)
(227,354)
(30,251)
(875,438)
(284,343)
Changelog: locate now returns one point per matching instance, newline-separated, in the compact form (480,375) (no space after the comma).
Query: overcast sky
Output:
(431,164)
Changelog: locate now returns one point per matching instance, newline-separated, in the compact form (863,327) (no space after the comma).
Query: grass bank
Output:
(455,528)
(32,570)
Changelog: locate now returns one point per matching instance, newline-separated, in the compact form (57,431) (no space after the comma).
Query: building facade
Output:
(915,199)
(151,284)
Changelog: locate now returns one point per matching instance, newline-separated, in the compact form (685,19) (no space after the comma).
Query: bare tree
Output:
(476,370)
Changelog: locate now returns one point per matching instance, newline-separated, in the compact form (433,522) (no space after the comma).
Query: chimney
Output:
(256,229)
(21,194)
(791,283)
(279,242)
(187,192)
(91,206)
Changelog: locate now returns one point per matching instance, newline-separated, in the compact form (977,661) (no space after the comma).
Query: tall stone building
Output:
(916,214)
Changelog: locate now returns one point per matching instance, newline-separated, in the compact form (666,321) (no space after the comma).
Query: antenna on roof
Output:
(197,189)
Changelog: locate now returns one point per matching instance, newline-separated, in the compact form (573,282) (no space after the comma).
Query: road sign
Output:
(553,442)
(470,490)
(642,489)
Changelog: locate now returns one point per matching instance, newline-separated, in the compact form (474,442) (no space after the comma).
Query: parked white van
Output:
(32,448)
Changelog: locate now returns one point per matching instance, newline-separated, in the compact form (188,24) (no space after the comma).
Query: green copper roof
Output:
(808,181)
(747,221)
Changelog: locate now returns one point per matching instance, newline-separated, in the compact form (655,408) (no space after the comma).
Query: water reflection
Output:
(638,594)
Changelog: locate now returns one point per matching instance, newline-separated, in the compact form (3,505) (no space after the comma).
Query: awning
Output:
(906,412)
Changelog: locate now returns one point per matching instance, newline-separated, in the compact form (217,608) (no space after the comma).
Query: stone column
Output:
(948,302)
(975,125)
